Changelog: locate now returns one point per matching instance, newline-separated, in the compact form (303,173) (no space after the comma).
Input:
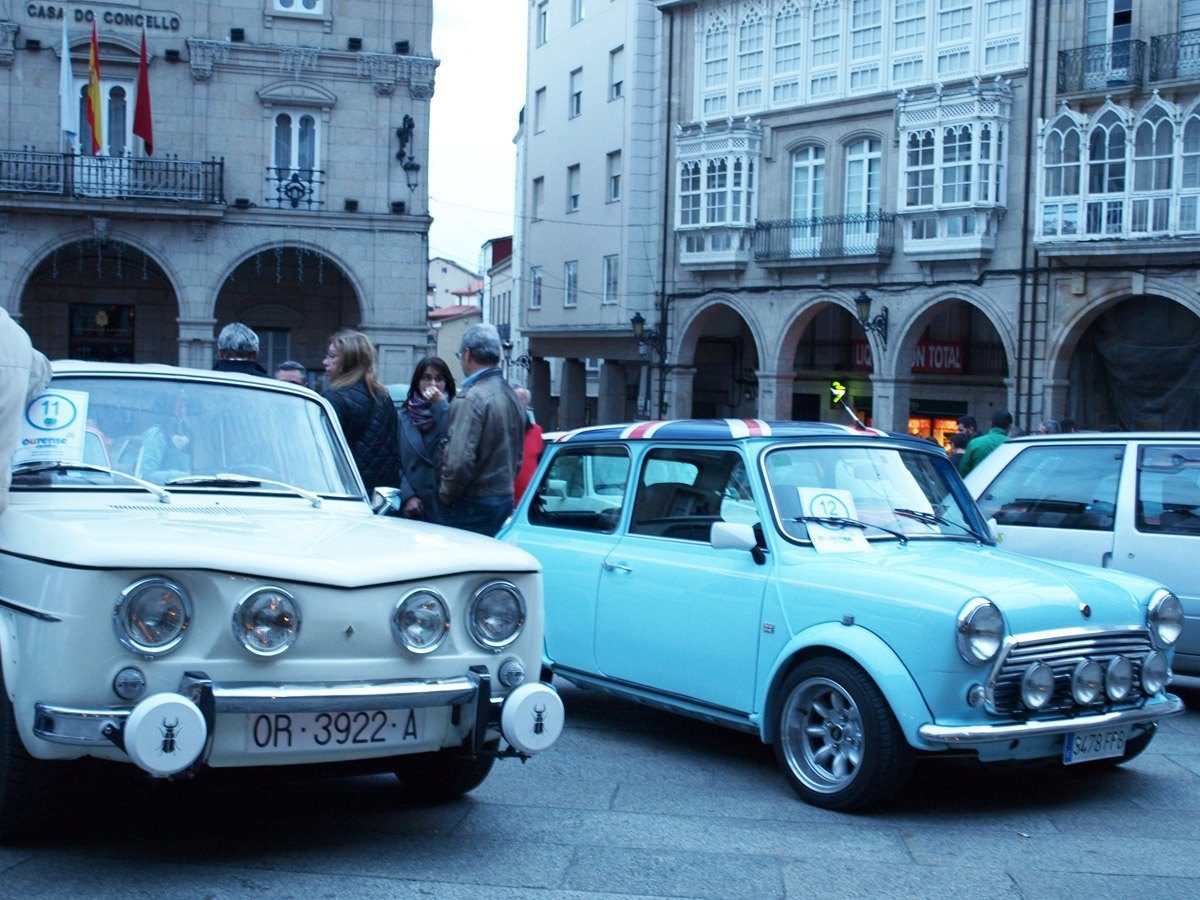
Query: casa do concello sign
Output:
(114,18)
(929,358)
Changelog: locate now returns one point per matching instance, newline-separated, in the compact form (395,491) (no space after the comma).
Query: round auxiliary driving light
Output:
(1118,680)
(1087,682)
(129,683)
(1037,685)
(512,673)
(1154,673)
(267,621)
(420,622)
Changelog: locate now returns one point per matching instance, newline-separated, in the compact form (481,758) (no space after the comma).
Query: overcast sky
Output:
(480,89)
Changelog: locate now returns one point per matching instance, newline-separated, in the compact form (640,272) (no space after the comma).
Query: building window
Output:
(612,276)
(575,98)
(576,11)
(717,182)
(311,7)
(1106,175)
(275,347)
(751,65)
(716,195)
(1189,213)
(616,73)
(571,283)
(826,49)
(535,287)
(689,193)
(716,68)
(573,188)
(954,20)
(115,116)
(808,200)
(919,169)
(956,164)
(789,54)
(543,22)
(614,176)
(537,198)
(539,110)
(1153,150)
(863,161)
(296,163)
(908,25)
(1061,179)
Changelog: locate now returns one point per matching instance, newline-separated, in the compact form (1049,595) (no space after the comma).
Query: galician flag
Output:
(68,100)
(143,122)
(94,119)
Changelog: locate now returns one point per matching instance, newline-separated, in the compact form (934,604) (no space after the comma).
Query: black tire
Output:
(444,775)
(23,781)
(843,757)
(1134,747)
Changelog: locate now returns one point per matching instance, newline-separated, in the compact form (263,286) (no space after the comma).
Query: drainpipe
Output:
(1030,161)
(662,299)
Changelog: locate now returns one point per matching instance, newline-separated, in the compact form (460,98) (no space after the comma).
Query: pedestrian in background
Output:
(981,446)
(424,418)
(23,373)
(484,447)
(1068,426)
(958,446)
(364,407)
(1049,427)
(292,371)
(968,426)
(237,349)
(534,444)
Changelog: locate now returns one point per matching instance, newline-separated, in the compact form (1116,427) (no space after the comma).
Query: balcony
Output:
(294,188)
(1101,67)
(103,178)
(1133,226)
(846,239)
(720,248)
(1175,57)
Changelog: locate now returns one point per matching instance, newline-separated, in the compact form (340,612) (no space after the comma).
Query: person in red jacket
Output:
(533,449)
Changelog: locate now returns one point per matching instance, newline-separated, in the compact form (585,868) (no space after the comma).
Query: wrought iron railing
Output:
(1175,56)
(294,188)
(1101,66)
(826,237)
(30,171)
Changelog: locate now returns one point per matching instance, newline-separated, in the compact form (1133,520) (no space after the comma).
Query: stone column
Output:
(775,395)
(1054,399)
(611,404)
(572,395)
(397,350)
(539,391)
(680,381)
(890,402)
(197,342)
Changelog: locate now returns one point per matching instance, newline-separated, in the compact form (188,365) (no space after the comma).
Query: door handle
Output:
(1106,559)
(616,567)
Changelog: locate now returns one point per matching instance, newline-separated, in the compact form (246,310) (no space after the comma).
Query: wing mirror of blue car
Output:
(737,536)
(994,531)
(385,500)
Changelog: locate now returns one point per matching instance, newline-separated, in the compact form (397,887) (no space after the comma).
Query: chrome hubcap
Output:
(822,735)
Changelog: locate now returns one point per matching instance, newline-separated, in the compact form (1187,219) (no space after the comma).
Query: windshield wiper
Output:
(839,521)
(932,518)
(226,479)
(32,468)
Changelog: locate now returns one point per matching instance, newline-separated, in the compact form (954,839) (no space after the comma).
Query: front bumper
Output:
(970,735)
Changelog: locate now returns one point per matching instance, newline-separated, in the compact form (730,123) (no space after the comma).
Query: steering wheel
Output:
(251,470)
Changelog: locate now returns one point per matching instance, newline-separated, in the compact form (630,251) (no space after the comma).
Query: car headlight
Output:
(1155,672)
(1165,618)
(496,615)
(420,621)
(979,631)
(152,616)
(266,621)
(1087,682)
(1118,680)
(1037,685)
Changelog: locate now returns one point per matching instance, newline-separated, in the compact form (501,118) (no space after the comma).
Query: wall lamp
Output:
(877,325)
(408,161)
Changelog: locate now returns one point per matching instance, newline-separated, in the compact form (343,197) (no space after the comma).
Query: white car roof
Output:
(153,370)
(1109,436)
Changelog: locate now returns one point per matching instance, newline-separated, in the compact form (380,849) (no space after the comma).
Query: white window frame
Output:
(788,53)
(571,283)
(689,211)
(298,114)
(296,8)
(715,68)
(536,279)
(613,173)
(751,63)
(539,110)
(616,73)
(542,23)
(537,197)
(612,279)
(575,94)
(577,11)
(106,88)
(574,178)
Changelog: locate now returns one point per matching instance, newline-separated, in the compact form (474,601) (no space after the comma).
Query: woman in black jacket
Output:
(423,419)
(364,408)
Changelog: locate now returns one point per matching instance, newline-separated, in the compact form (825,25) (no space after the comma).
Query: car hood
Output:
(1033,594)
(339,544)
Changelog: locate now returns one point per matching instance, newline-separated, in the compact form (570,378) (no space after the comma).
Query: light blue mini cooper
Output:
(837,592)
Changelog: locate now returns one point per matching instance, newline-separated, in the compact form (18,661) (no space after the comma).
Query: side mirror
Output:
(994,531)
(732,536)
(385,500)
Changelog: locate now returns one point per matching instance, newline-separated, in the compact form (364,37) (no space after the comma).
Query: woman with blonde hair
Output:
(363,407)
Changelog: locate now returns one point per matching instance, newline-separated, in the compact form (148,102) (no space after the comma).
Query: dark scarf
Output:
(419,412)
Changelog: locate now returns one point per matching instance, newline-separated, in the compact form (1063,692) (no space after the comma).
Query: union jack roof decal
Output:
(714,429)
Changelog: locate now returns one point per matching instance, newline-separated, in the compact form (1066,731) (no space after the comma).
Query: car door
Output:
(674,614)
(1158,527)
(1057,501)
(570,523)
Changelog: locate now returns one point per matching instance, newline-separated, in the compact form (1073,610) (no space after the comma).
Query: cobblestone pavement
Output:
(636,802)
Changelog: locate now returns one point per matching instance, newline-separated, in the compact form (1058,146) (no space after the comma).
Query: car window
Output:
(1057,486)
(583,489)
(1168,489)
(707,486)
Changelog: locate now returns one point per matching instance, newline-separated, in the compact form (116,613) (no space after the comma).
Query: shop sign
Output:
(930,357)
(114,18)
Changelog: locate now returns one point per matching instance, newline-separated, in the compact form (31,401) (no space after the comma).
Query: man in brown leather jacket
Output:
(485,438)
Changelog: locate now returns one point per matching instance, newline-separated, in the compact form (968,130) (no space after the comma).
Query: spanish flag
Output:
(94,119)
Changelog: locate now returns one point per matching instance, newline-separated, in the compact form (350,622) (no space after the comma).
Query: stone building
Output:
(286,188)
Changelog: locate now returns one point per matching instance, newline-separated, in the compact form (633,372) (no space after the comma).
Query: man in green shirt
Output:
(986,443)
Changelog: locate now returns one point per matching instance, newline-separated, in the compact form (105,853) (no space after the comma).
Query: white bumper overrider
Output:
(963,735)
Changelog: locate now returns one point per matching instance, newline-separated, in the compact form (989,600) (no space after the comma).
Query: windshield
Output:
(161,430)
(899,490)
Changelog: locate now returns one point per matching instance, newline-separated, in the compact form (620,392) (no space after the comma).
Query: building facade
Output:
(286,188)
(588,234)
(445,277)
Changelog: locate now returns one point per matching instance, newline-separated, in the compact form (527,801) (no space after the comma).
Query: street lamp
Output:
(877,325)
(412,171)
(408,161)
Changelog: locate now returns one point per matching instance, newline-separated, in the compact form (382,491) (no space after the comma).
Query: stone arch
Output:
(347,271)
(785,352)
(804,369)
(720,353)
(689,332)
(910,330)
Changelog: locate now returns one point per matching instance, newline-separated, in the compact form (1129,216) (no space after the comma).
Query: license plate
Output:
(1083,746)
(282,732)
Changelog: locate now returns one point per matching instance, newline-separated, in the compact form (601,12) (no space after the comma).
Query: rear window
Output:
(1057,486)
(1168,489)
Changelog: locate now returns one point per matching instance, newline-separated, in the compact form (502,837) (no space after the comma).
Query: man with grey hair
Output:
(237,347)
(484,440)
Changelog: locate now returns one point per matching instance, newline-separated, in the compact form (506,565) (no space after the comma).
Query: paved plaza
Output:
(634,802)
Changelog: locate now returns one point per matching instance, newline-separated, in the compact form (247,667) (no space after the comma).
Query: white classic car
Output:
(224,595)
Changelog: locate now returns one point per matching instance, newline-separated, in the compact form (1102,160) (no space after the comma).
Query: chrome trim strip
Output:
(341,696)
(960,735)
(76,727)
(29,611)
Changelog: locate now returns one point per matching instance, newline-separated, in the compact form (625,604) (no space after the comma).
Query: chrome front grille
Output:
(1062,652)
